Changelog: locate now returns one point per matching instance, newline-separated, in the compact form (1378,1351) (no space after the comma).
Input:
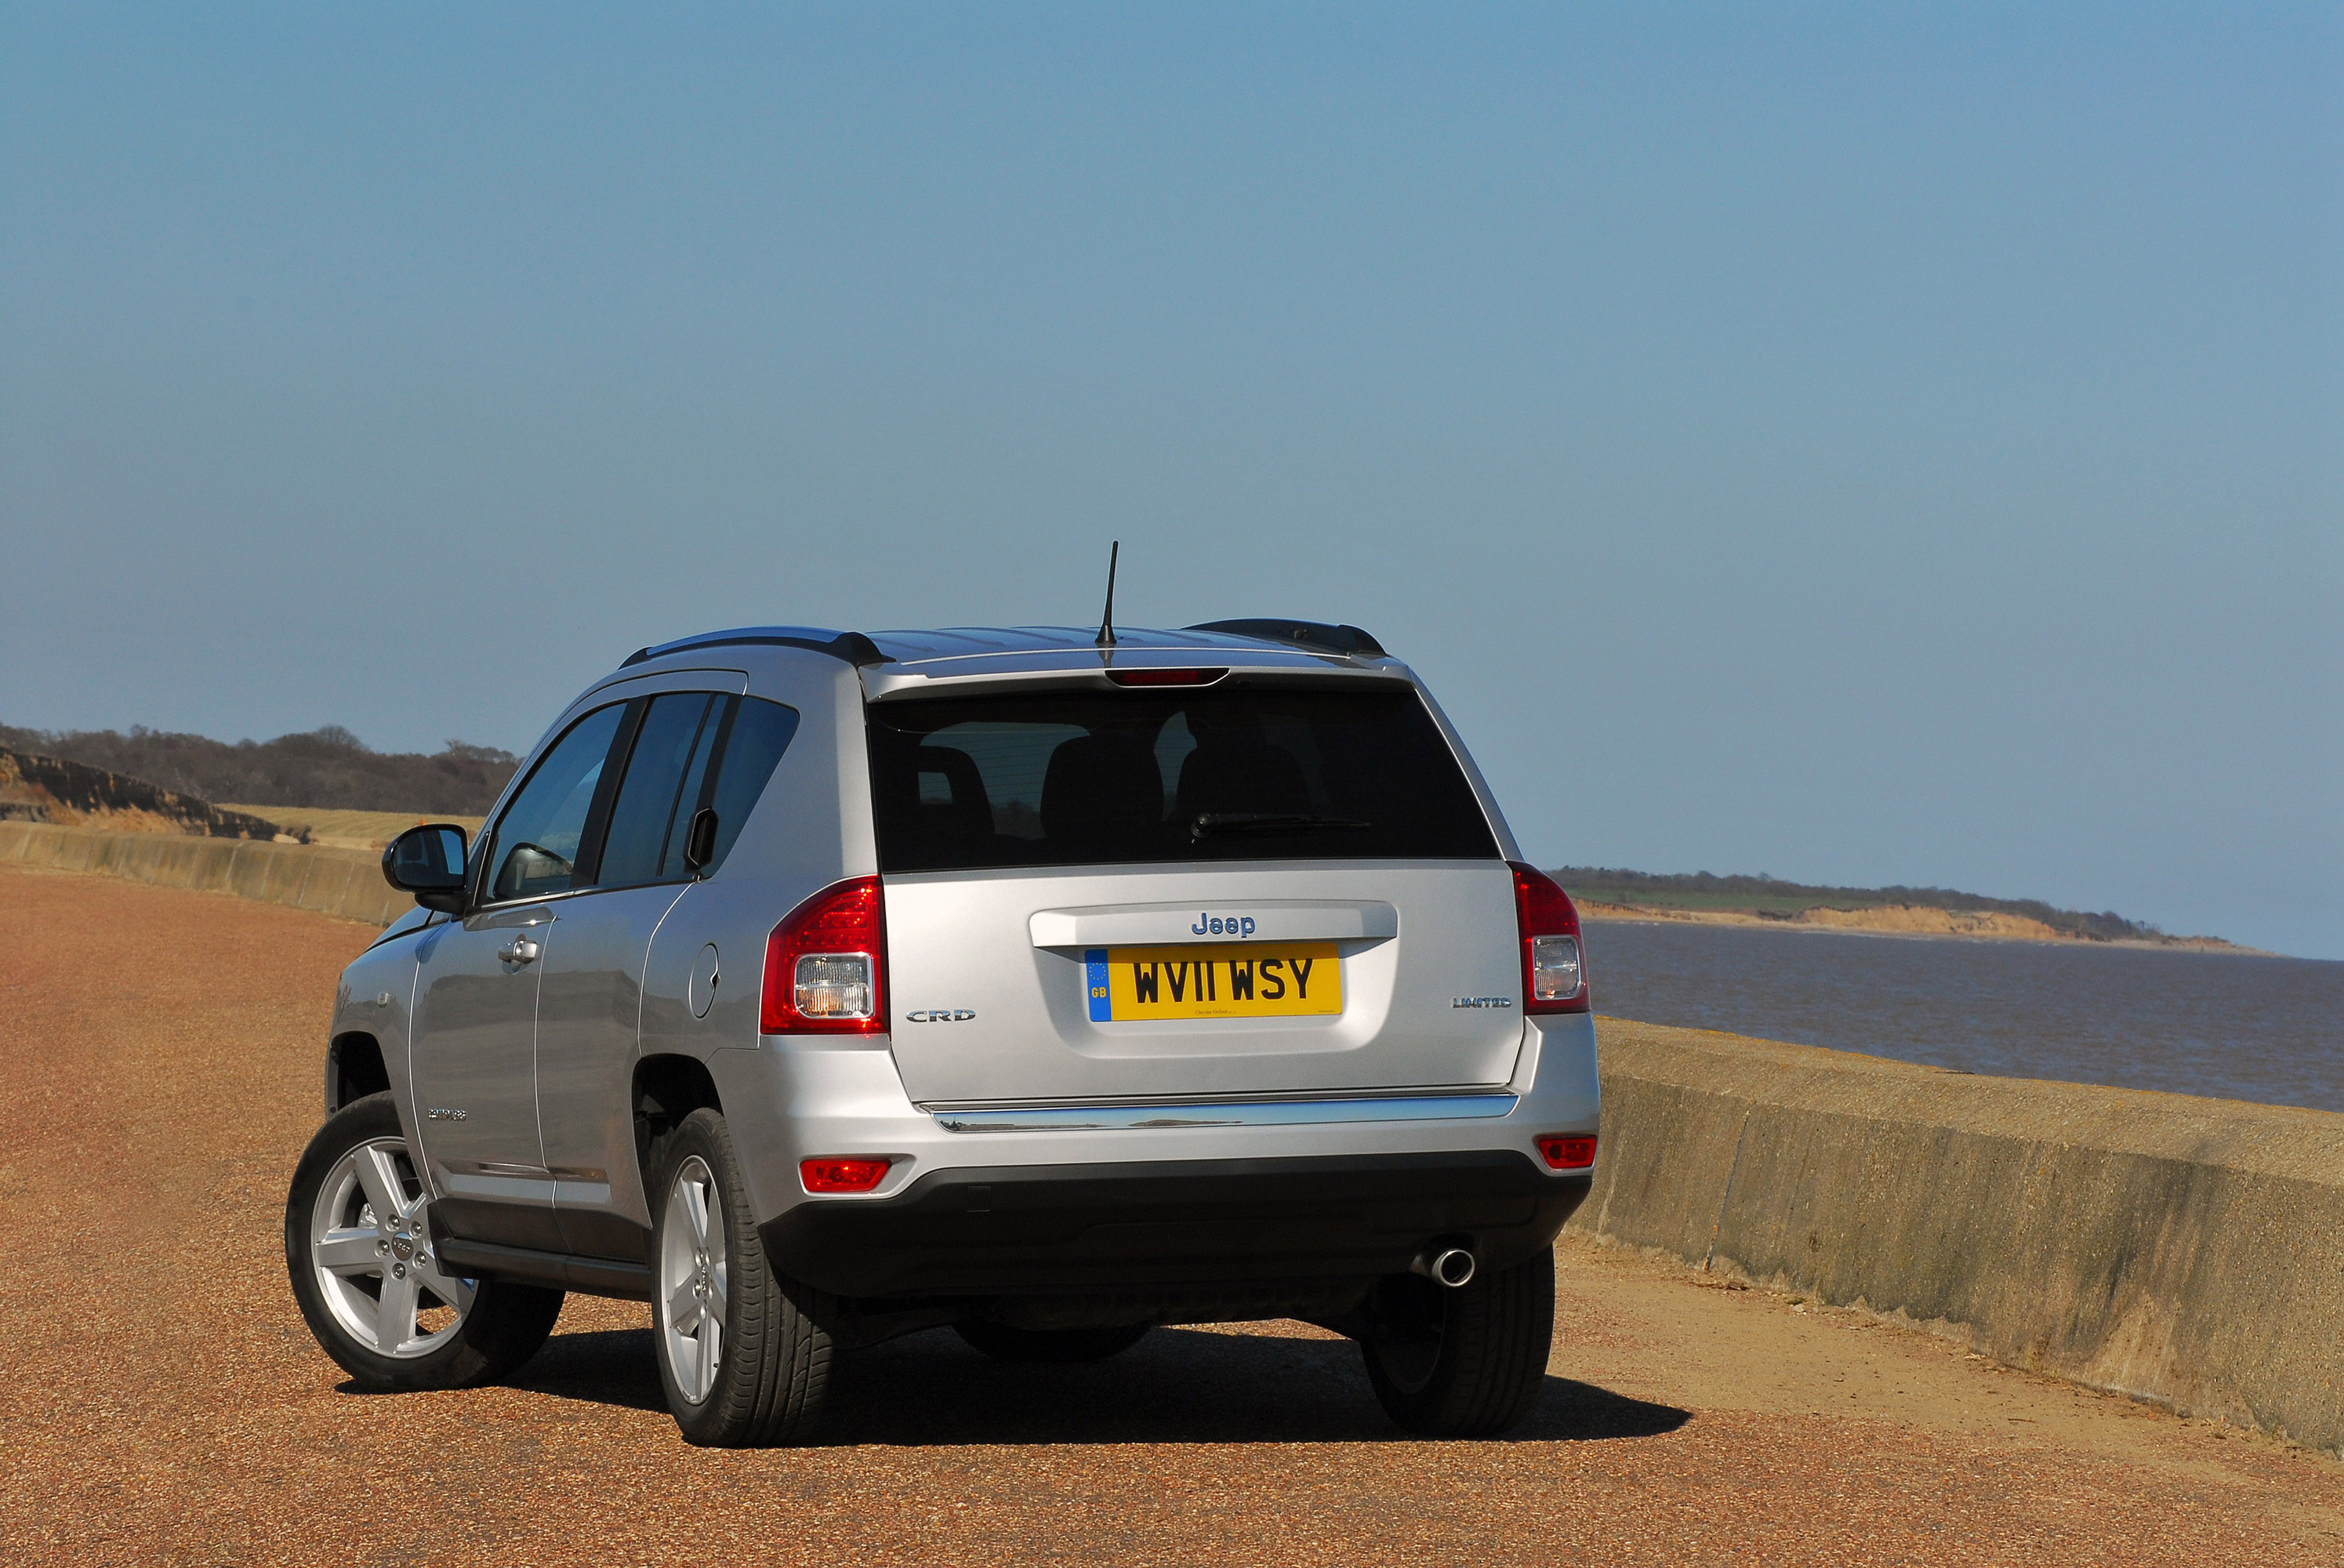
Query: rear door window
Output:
(1225,773)
(645,819)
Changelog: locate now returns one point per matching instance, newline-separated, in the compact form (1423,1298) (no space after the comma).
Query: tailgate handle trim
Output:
(1169,924)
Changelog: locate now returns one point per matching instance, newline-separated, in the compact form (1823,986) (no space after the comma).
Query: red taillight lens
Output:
(826,964)
(1165,677)
(1566,1151)
(842,1175)
(1554,968)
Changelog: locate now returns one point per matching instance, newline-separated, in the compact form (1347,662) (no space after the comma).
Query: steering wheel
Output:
(516,877)
(540,849)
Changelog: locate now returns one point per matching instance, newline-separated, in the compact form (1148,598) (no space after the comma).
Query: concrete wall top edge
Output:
(36,832)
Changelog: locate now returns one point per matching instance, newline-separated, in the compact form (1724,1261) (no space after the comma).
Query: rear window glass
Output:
(1072,778)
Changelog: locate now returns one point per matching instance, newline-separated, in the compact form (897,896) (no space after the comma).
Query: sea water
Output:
(2189,1022)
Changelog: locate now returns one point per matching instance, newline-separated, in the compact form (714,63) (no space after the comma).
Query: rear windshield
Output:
(1076,778)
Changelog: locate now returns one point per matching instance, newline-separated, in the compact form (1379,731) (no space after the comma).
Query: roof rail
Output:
(852,647)
(1317,636)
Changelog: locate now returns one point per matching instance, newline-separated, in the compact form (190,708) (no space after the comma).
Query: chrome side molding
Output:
(1273,1113)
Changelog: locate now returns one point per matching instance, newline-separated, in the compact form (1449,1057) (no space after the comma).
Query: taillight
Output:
(1566,1151)
(1554,972)
(842,1175)
(825,965)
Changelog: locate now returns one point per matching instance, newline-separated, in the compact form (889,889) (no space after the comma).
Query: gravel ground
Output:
(159,1053)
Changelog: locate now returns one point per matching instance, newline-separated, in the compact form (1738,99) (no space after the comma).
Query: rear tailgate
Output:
(996,980)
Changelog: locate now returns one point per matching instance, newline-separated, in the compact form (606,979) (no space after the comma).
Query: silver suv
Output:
(819,988)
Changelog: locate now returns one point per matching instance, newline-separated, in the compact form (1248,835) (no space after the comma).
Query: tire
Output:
(1062,1346)
(744,1353)
(357,1249)
(1464,1362)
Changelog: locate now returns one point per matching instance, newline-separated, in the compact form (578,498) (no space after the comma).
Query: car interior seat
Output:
(1102,794)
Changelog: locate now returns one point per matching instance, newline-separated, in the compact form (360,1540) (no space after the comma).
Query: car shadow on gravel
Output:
(1178,1385)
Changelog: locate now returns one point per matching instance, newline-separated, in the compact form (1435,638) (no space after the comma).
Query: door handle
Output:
(522,951)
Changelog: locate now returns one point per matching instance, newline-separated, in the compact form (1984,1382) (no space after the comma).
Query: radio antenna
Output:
(1106,622)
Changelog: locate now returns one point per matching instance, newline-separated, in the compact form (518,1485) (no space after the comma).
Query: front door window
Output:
(542,837)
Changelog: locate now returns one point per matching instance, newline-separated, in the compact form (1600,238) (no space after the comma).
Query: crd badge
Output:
(939,1015)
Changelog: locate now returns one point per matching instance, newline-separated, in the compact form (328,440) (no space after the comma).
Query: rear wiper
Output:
(1208,824)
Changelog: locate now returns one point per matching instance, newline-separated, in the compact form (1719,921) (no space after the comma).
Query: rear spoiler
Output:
(1316,635)
(852,647)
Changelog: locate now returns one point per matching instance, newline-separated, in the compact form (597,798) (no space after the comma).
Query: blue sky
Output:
(1865,445)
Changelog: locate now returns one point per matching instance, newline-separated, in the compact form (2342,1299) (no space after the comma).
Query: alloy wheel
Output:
(370,1244)
(693,1279)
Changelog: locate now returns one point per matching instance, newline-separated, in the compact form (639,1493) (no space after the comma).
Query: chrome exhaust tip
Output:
(1449,1266)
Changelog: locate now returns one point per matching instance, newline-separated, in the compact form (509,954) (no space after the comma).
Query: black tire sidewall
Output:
(772,1365)
(1496,1336)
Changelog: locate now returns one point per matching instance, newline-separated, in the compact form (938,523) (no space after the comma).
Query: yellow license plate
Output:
(1255,980)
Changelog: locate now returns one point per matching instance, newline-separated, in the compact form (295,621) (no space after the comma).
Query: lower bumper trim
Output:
(1026,1230)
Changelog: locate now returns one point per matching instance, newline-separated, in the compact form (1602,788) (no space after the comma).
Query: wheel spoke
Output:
(703,1358)
(683,1311)
(349,1250)
(695,1209)
(395,1313)
(716,1293)
(458,1293)
(378,1175)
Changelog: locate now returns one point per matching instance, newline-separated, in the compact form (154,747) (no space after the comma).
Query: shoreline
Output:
(1927,923)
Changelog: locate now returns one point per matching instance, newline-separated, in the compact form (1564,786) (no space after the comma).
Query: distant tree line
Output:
(1614,884)
(324,770)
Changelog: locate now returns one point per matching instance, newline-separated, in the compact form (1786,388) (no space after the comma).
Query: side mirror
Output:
(428,862)
(700,842)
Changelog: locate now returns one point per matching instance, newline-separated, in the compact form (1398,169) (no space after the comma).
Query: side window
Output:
(753,740)
(539,838)
(644,822)
(694,793)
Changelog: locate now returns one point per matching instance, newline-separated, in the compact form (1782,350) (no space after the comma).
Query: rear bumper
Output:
(1240,1225)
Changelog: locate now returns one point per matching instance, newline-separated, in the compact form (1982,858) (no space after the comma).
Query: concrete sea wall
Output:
(2186,1251)
(347,882)
(2182,1250)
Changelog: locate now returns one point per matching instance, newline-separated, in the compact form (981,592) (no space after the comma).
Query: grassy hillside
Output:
(1767,895)
(356,829)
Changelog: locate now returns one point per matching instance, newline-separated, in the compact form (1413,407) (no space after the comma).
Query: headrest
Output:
(1102,790)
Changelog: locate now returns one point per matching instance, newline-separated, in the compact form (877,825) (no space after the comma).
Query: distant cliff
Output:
(35,788)
(324,770)
(1701,896)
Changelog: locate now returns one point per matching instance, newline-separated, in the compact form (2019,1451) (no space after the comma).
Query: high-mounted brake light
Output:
(1566,1151)
(826,964)
(842,1175)
(1165,677)
(1554,972)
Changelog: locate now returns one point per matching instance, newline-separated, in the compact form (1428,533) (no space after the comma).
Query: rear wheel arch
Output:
(355,1069)
(667,1088)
